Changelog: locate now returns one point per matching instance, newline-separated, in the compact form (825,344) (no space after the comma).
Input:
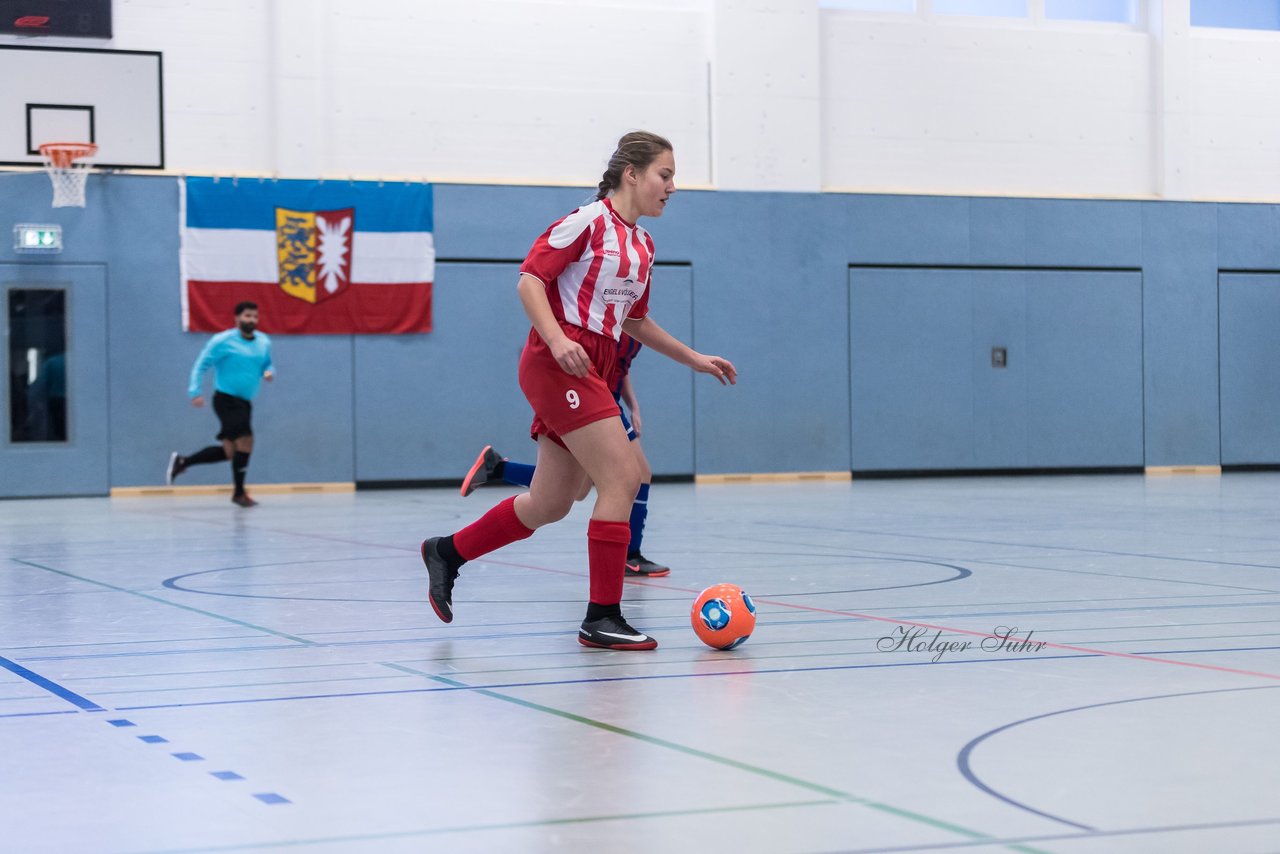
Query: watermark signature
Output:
(916,639)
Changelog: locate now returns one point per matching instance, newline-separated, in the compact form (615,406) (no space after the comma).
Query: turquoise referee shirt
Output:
(238,364)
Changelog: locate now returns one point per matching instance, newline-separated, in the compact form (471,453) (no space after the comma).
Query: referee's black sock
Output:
(239,464)
(211,454)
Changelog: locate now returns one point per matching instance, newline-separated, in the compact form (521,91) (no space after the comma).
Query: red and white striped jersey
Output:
(596,268)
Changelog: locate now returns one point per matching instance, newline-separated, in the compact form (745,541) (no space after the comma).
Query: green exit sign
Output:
(37,238)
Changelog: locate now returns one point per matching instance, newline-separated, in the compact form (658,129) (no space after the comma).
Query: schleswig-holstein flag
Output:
(322,257)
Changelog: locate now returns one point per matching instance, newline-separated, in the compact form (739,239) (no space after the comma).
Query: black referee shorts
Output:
(233,415)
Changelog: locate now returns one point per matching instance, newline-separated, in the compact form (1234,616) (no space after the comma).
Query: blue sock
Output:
(639,510)
(518,474)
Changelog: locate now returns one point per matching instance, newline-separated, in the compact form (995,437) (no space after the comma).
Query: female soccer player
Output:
(584,281)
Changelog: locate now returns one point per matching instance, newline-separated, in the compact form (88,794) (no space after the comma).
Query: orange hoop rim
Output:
(63,154)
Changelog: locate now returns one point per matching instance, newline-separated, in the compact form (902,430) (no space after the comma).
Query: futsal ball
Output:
(723,616)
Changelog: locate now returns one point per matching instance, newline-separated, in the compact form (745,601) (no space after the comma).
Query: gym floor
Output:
(1063,664)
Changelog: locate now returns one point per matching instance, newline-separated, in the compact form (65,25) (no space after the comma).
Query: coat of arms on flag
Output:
(318,257)
(314,251)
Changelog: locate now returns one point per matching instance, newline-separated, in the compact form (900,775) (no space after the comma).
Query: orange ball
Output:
(723,616)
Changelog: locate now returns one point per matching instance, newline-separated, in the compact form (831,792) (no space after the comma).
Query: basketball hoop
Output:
(68,165)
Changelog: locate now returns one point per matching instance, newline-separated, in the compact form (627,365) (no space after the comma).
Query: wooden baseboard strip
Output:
(774,477)
(254,489)
(1164,470)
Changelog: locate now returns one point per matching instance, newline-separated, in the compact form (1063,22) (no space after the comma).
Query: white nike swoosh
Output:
(636,638)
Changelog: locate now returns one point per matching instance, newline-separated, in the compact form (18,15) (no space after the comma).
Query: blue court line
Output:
(754,672)
(38,714)
(579,666)
(127,643)
(1125,575)
(755,657)
(225,775)
(764,644)
(1077,599)
(1035,547)
(173,583)
(272,798)
(89,706)
(271,684)
(965,766)
(151,598)
(283,667)
(1078,610)
(1176,638)
(1188,651)
(1039,546)
(888,555)
(198,651)
(596,680)
(556,633)
(672,626)
(50,686)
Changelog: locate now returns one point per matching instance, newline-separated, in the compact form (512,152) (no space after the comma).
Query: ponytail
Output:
(638,148)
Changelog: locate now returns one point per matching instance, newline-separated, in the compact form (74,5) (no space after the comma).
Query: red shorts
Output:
(562,402)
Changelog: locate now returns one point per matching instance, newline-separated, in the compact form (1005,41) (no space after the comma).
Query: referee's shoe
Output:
(177,465)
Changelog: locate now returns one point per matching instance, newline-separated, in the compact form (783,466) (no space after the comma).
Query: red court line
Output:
(855,614)
(984,635)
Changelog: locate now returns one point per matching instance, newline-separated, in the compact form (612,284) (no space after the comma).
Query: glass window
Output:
(1240,14)
(995,8)
(870,5)
(37,365)
(1118,11)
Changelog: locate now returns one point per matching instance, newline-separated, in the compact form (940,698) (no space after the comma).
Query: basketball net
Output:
(68,165)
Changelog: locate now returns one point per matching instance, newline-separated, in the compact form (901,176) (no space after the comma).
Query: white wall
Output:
(955,107)
(1234,150)
(766,103)
(533,91)
(755,94)
(217,78)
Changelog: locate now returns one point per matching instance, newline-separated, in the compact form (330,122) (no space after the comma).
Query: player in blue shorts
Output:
(491,467)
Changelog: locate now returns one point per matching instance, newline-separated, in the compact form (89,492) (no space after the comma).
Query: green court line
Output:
(721,760)
(167,602)
(513,825)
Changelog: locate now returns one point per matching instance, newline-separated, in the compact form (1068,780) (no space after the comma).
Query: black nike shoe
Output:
(440,589)
(640,566)
(482,471)
(613,633)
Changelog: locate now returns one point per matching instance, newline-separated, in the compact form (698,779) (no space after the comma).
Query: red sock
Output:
(607,558)
(495,529)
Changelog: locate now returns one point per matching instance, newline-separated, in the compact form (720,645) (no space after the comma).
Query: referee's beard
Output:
(246,328)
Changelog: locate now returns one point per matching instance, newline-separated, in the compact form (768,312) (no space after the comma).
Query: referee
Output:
(240,359)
